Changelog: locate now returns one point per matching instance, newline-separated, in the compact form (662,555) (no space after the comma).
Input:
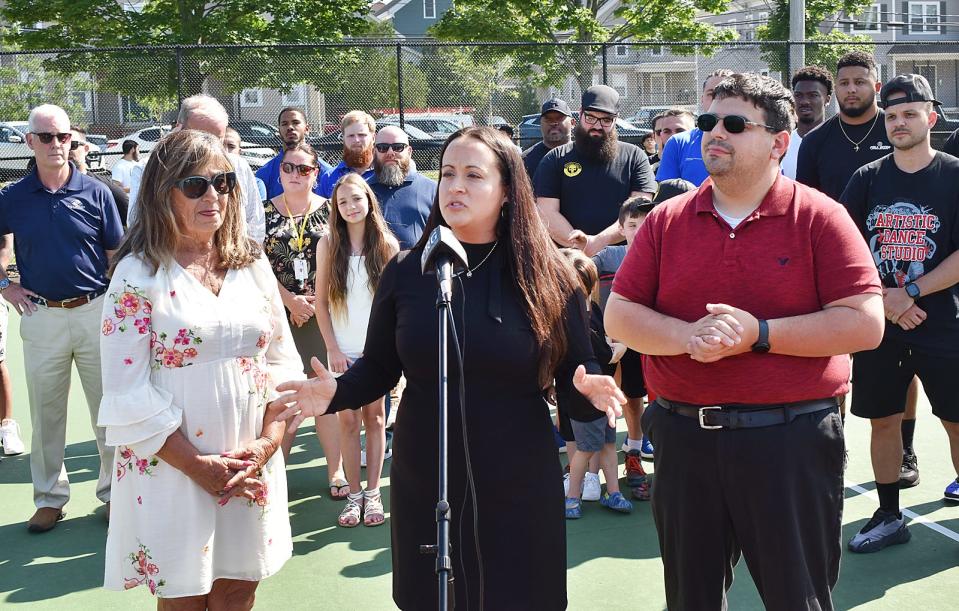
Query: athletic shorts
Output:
(591,436)
(882,376)
(633,384)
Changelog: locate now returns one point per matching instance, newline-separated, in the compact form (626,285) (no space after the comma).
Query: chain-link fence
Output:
(430,88)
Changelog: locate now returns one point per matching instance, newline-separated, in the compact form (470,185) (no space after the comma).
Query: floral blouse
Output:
(281,247)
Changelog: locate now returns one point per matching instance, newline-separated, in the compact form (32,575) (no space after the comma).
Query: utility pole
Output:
(797,32)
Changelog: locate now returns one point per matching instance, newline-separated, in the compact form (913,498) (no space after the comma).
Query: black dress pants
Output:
(772,495)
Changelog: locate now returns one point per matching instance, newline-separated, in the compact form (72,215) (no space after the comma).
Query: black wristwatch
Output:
(912,289)
(762,344)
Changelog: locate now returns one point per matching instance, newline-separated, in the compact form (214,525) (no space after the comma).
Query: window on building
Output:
(618,82)
(622,51)
(294,97)
(868,20)
(657,51)
(923,17)
(251,98)
(429,9)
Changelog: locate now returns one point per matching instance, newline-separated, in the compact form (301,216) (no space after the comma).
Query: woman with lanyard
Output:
(296,219)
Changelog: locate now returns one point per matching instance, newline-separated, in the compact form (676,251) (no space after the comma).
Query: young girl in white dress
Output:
(349,262)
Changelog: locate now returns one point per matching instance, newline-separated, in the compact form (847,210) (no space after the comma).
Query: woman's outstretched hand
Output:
(309,398)
(602,392)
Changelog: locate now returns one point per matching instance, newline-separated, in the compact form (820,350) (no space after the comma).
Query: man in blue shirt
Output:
(682,157)
(293,130)
(358,129)
(405,196)
(65,226)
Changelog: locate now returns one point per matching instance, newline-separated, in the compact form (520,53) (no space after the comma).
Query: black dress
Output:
(514,459)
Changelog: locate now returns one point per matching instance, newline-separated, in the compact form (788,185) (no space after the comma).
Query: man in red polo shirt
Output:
(747,296)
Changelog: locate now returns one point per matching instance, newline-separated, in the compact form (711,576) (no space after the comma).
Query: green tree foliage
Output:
(573,21)
(150,77)
(824,55)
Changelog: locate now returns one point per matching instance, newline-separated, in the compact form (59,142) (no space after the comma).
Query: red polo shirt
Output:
(796,253)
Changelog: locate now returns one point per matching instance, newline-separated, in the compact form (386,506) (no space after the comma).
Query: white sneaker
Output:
(591,487)
(387,456)
(10,438)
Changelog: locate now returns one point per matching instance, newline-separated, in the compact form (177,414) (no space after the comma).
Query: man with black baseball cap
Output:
(906,207)
(555,121)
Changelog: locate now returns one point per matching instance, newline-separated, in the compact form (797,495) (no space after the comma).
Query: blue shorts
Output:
(591,436)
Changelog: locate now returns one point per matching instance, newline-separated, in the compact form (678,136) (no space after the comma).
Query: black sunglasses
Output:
(302,169)
(47,137)
(194,187)
(734,124)
(398,147)
(75,144)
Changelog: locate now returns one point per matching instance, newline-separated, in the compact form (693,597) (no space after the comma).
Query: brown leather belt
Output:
(73,302)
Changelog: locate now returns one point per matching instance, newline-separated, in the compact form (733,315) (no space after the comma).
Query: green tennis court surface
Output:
(613,559)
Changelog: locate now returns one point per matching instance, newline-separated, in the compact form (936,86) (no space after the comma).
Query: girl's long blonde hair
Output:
(155,232)
(377,246)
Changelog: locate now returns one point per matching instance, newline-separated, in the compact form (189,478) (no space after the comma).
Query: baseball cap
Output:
(915,86)
(601,98)
(671,188)
(555,105)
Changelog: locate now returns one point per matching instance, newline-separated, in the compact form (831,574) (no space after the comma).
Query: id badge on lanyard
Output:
(300,269)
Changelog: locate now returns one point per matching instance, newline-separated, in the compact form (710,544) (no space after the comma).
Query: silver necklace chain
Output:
(855,145)
(469,272)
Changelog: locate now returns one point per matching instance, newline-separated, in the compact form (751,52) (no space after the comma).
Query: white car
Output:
(148,137)
(14,152)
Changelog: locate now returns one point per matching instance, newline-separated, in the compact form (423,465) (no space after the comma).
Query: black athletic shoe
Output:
(909,471)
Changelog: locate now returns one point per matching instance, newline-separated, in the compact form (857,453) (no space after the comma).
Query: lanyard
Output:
(301,233)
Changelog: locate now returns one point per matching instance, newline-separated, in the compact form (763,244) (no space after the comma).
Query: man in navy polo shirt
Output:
(65,226)
(293,130)
(745,339)
(405,195)
(358,129)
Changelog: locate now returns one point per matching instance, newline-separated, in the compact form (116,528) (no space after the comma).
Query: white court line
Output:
(913,516)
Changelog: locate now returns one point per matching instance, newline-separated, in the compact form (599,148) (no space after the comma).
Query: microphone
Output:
(443,253)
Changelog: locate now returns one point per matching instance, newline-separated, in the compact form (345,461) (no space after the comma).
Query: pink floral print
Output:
(128,461)
(145,569)
(173,356)
(130,306)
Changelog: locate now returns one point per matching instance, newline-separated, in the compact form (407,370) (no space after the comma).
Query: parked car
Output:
(437,128)
(528,132)
(146,138)
(14,152)
(644,118)
(258,133)
(100,140)
(945,125)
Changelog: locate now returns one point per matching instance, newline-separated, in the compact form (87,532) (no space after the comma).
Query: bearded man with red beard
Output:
(358,129)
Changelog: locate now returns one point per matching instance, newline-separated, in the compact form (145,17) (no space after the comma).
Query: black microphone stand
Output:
(444,564)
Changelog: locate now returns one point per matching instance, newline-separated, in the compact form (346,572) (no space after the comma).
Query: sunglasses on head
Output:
(47,137)
(398,147)
(734,124)
(195,187)
(301,169)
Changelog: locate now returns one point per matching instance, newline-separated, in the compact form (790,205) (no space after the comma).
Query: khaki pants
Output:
(53,339)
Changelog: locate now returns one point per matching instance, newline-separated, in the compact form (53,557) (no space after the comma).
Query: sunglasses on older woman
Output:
(194,187)
(301,169)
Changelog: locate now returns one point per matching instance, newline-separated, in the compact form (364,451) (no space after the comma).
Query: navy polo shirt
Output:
(61,238)
(407,206)
(328,180)
(270,175)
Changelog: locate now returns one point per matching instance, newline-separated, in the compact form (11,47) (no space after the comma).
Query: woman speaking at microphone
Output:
(518,319)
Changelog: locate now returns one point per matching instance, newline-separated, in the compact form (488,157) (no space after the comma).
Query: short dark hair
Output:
(78,129)
(723,72)
(129,145)
(767,94)
(858,58)
(672,112)
(279,117)
(633,208)
(816,74)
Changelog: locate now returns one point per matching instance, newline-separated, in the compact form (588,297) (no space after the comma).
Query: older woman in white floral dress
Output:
(194,340)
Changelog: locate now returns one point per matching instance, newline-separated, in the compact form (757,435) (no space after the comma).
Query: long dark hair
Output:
(544,278)
(378,245)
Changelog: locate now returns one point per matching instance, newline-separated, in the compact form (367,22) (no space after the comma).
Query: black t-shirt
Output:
(119,195)
(827,157)
(911,224)
(590,193)
(532,156)
(576,406)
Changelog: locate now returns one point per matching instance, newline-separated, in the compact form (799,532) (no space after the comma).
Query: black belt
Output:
(73,302)
(746,416)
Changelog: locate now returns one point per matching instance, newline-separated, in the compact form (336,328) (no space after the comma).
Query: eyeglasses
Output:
(47,137)
(734,124)
(75,144)
(589,119)
(301,169)
(195,187)
(398,147)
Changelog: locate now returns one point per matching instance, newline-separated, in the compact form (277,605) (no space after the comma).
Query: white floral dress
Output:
(176,356)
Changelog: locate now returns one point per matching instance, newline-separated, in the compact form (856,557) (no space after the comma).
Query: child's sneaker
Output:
(10,438)
(952,491)
(641,492)
(635,474)
(592,489)
(574,508)
(647,450)
(615,501)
